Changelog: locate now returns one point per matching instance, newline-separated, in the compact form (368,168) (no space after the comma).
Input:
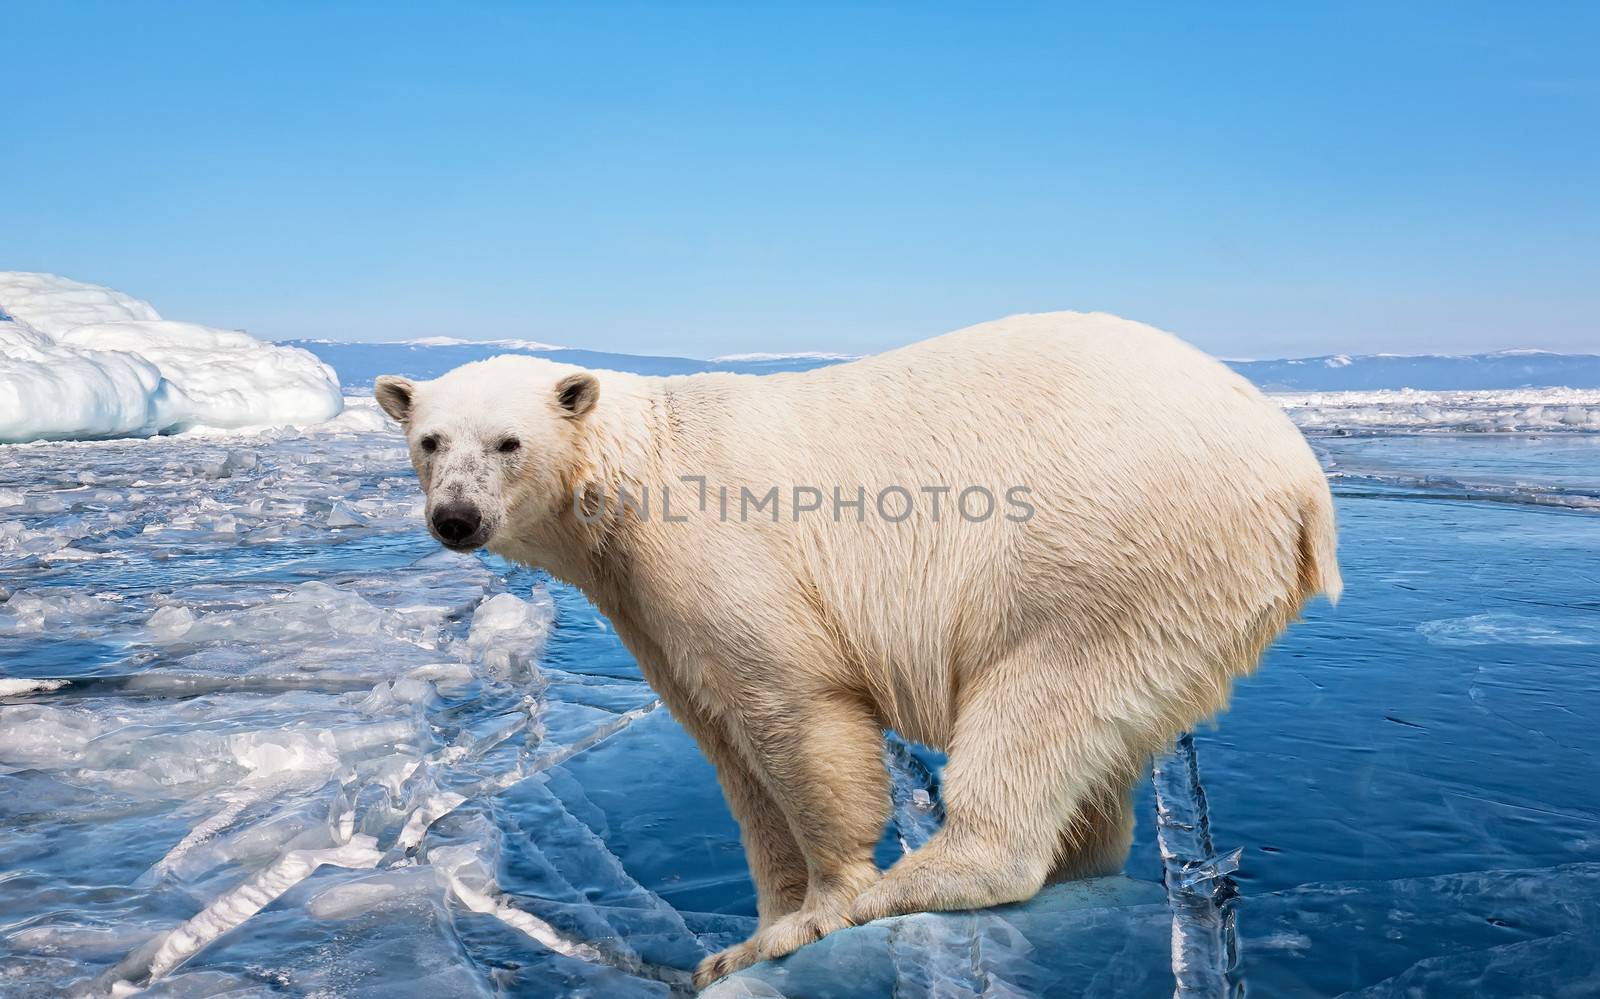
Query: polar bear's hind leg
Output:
(1032,767)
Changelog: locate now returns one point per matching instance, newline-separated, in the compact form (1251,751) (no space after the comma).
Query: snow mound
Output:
(78,361)
(53,305)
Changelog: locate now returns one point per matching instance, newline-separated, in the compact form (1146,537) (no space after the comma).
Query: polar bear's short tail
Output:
(1318,554)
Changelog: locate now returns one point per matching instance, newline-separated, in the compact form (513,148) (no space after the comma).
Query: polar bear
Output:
(801,561)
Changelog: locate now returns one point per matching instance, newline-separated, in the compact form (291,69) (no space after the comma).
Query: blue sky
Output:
(1263,179)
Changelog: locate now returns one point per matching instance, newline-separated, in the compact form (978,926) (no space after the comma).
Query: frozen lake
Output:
(260,735)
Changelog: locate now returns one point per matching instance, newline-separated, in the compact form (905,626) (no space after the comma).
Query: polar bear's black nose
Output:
(456,522)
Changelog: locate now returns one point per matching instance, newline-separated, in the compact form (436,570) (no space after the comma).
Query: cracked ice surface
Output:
(235,668)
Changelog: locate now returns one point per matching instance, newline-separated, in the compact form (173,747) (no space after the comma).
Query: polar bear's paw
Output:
(823,911)
(783,937)
(725,962)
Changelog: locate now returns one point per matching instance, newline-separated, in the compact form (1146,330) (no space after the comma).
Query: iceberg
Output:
(78,361)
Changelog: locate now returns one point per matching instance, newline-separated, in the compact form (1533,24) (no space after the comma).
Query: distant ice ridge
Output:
(78,361)
(451,341)
(801,355)
(1498,410)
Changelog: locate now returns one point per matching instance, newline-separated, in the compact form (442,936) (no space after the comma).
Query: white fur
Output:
(1180,523)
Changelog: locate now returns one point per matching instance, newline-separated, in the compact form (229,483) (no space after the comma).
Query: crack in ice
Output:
(1199,886)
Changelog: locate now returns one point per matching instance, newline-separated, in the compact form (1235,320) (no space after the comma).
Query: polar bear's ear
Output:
(394,395)
(577,393)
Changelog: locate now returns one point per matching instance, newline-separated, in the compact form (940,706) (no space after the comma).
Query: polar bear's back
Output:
(1091,360)
(1060,399)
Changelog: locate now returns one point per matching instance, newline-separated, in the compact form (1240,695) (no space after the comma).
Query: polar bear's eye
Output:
(429,443)
(509,445)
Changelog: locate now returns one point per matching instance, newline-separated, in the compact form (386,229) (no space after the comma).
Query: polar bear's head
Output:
(491,439)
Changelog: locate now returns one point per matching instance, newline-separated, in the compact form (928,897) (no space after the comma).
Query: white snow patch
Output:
(11,688)
(360,415)
(80,361)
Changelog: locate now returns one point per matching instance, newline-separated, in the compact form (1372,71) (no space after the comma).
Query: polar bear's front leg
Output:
(777,866)
(818,753)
